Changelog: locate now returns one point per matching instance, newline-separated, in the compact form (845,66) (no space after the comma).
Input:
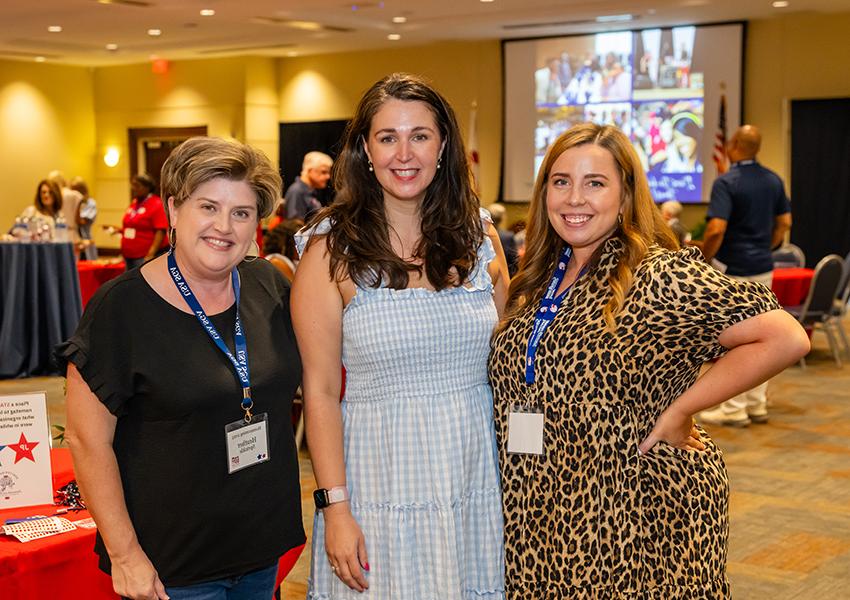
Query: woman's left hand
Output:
(674,428)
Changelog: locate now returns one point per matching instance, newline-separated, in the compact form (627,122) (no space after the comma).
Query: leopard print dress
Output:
(590,519)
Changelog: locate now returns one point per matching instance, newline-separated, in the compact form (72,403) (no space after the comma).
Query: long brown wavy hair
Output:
(642,224)
(359,239)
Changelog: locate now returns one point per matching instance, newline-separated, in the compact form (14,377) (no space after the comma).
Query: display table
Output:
(65,565)
(792,285)
(94,273)
(39,305)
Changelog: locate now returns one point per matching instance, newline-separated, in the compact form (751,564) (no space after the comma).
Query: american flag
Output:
(721,161)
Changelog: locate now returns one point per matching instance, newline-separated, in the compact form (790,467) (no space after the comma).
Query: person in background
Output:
(748,215)
(70,200)
(497,213)
(180,379)
(610,490)
(671,210)
(279,247)
(301,201)
(408,504)
(46,207)
(143,232)
(84,218)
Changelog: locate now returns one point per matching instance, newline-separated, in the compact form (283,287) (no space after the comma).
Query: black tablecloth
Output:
(40,305)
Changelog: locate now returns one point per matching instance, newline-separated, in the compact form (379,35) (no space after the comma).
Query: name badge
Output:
(247,443)
(129,233)
(525,431)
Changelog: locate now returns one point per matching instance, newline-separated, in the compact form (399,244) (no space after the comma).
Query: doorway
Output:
(149,147)
(820,179)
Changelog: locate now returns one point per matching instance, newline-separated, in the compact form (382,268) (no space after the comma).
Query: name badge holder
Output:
(246,440)
(526,424)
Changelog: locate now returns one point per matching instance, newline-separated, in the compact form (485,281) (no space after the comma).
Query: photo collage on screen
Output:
(647,83)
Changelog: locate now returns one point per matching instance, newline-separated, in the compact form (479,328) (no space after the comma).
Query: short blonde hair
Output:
(201,159)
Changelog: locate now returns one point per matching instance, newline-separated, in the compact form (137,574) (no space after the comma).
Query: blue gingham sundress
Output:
(420,450)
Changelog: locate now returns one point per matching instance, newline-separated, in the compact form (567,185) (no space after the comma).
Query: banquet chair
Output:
(839,310)
(788,255)
(817,308)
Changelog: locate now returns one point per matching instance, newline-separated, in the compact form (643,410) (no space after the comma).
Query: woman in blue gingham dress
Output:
(420,455)
(400,281)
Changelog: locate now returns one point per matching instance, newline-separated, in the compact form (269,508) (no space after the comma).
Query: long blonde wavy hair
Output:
(641,227)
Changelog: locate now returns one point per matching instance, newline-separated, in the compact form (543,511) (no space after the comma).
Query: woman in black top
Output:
(182,442)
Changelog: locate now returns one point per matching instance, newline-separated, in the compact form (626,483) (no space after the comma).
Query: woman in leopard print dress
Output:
(610,490)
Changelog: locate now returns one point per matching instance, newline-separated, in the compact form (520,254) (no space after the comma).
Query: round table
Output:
(40,305)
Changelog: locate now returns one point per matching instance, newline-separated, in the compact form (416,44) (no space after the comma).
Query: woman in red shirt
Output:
(144,226)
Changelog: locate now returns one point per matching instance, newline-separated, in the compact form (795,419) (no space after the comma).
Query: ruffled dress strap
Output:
(480,277)
(302,238)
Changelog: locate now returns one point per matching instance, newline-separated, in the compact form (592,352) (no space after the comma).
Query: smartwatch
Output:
(324,497)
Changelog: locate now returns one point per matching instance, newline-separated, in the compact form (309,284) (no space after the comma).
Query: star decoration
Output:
(23,449)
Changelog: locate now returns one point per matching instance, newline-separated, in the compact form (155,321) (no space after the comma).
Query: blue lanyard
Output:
(549,305)
(240,361)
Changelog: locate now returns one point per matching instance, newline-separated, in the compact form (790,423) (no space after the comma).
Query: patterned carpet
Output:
(790,508)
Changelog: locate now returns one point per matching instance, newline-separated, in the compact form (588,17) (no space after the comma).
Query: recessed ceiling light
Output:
(613,18)
(207,12)
(40,59)
(781,4)
(54,29)
(394,37)
(486,0)
(112,47)
(292,54)
(154,32)
(400,20)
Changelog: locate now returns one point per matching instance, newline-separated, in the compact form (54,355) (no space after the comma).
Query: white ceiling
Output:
(265,27)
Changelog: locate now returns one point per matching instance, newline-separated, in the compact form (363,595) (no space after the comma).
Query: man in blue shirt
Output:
(301,200)
(749,214)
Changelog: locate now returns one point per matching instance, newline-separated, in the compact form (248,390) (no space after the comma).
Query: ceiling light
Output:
(154,32)
(40,59)
(394,37)
(613,18)
(486,0)
(292,54)
(112,47)
(207,12)
(400,20)
(781,4)
(55,29)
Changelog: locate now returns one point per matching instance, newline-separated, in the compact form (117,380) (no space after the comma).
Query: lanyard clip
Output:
(247,404)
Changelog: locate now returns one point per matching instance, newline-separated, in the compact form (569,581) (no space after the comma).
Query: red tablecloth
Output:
(792,285)
(94,273)
(65,565)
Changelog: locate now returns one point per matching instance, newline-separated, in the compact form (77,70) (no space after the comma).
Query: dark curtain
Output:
(297,139)
(820,177)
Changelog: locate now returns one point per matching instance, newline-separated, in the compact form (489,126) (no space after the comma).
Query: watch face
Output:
(320,498)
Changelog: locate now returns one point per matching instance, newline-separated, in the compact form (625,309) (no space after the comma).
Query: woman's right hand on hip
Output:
(134,577)
(345,546)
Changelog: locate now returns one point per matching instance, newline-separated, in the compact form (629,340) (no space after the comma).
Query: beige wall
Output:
(326,87)
(798,56)
(46,123)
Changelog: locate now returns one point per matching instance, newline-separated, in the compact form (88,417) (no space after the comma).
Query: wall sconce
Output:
(112,156)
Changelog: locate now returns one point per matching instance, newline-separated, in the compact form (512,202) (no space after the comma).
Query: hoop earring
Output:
(256,255)
(172,238)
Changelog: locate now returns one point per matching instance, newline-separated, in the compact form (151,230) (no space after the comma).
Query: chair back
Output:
(823,291)
(787,256)
(844,286)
